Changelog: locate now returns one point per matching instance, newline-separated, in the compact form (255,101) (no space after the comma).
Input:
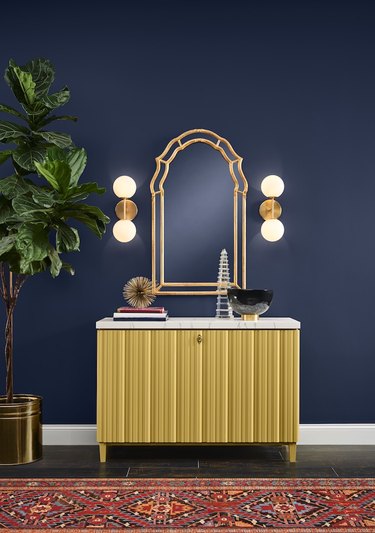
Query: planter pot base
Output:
(20,429)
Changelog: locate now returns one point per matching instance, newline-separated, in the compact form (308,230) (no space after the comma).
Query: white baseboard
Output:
(339,434)
(63,434)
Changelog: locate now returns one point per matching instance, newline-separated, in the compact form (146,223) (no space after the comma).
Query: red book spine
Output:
(141,310)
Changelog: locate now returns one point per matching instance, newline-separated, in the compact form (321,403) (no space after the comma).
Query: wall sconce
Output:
(126,210)
(272,228)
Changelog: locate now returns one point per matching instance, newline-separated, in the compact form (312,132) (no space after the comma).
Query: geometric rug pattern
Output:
(287,505)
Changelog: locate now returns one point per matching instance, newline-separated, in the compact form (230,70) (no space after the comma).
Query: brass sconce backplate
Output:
(126,209)
(270,209)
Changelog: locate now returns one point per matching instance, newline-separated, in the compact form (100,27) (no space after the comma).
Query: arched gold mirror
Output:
(198,208)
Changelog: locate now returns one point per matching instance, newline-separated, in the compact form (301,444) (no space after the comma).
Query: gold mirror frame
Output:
(157,190)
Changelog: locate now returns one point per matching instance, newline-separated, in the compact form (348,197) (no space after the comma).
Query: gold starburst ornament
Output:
(138,292)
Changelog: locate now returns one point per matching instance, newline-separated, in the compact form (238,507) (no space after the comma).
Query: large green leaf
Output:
(25,206)
(13,186)
(67,238)
(43,197)
(27,85)
(56,263)
(96,214)
(52,118)
(32,242)
(21,83)
(12,221)
(55,153)
(90,223)
(57,173)
(7,109)
(90,216)
(77,159)
(6,244)
(43,74)
(62,140)
(36,113)
(11,132)
(58,99)
(4,155)
(29,267)
(83,191)
(47,174)
(27,153)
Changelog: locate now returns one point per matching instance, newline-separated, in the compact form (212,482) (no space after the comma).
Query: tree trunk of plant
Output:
(10,290)
(9,343)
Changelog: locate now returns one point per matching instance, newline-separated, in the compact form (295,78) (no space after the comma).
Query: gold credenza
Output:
(197,386)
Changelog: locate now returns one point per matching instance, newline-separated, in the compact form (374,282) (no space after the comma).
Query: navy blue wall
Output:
(291,84)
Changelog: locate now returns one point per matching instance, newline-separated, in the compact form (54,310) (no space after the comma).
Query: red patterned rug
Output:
(288,505)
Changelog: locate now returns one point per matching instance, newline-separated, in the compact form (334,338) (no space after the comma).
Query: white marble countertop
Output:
(201,323)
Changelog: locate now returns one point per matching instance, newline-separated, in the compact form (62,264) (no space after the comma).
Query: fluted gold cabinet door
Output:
(176,386)
(124,386)
(149,386)
(263,391)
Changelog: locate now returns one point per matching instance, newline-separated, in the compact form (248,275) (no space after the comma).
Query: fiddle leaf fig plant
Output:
(42,199)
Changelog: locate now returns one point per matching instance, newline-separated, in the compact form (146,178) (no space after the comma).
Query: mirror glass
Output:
(198,215)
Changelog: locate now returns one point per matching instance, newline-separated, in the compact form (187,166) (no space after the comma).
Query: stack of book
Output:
(147,313)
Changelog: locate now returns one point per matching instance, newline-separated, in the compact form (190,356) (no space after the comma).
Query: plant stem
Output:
(9,292)
(9,344)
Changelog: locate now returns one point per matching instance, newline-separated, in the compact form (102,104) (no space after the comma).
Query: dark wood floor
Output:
(203,462)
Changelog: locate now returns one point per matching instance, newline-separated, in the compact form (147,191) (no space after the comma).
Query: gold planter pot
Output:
(20,429)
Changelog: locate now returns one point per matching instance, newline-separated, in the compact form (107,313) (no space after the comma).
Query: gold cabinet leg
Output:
(102,452)
(292,452)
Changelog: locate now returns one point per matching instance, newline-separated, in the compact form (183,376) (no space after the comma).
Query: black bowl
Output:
(250,301)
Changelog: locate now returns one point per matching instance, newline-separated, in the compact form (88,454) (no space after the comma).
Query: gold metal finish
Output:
(240,188)
(293,453)
(126,209)
(162,386)
(102,452)
(249,317)
(270,209)
(20,430)
(138,292)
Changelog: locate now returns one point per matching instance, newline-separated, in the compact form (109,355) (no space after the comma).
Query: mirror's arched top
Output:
(185,140)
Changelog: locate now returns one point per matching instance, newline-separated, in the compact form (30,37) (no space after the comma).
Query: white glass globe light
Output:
(124,187)
(124,230)
(272,186)
(272,230)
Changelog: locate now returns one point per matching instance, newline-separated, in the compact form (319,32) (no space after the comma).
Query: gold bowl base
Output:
(249,317)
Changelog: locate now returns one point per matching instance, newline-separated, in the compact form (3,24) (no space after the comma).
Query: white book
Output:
(144,316)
